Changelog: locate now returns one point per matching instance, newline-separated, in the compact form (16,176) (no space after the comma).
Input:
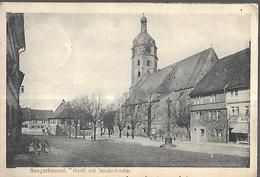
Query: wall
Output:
(214,127)
(243,96)
(14,42)
(143,57)
(208,114)
(237,106)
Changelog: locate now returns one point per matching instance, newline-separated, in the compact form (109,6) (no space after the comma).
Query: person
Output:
(35,144)
(127,134)
(43,145)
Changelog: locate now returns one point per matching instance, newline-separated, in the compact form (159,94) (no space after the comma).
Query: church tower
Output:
(144,54)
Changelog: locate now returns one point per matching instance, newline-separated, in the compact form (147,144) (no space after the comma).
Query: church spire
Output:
(143,24)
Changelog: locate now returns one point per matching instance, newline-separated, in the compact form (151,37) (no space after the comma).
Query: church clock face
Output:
(148,50)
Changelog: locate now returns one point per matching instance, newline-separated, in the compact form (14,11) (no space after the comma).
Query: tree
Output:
(121,119)
(90,109)
(109,121)
(180,112)
(96,111)
(77,112)
(134,118)
(121,113)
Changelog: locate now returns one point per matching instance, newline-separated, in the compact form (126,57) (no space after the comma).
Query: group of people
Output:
(39,146)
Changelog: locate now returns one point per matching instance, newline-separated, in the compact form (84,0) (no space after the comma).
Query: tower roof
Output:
(143,38)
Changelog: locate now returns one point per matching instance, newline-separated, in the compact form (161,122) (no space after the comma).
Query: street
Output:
(112,152)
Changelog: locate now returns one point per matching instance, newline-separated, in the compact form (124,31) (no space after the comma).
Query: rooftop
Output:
(231,72)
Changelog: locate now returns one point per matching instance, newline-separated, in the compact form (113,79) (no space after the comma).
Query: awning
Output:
(240,128)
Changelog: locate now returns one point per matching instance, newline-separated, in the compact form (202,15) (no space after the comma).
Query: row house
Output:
(35,121)
(221,101)
(15,45)
(64,122)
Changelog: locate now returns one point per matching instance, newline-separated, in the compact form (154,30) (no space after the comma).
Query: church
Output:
(153,86)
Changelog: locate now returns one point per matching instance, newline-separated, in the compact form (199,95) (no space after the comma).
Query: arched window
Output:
(139,74)
(148,62)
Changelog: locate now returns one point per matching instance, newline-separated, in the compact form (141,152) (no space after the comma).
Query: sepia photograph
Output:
(129,89)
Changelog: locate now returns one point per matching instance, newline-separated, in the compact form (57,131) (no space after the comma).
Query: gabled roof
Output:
(63,111)
(178,76)
(41,114)
(231,72)
(35,114)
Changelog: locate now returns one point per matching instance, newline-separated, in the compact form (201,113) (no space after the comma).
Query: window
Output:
(219,134)
(202,132)
(138,62)
(246,110)
(195,129)
(232,93)
(198,115)
(148,62)
(237,110)
(148,50)
(209,115)
(236,93)
(216,115)
(139,73)
(232,111)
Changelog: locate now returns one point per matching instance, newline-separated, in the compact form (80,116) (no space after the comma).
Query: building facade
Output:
(208,118)
(238,115)
(15,45)
(175,81)
(221,101)
(35,122)
(63,121)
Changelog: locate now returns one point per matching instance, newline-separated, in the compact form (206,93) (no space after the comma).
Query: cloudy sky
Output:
(68,55)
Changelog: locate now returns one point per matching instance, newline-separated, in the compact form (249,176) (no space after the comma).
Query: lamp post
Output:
(168,138)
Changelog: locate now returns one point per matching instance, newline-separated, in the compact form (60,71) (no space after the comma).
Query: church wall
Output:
(161,115)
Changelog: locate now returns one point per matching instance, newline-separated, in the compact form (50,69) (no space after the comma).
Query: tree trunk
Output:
(95,131)
(84,134)
(133,130)
(109,132)
(133,133)
(94,134)
(76,129)
(188,131)
(120,133)
(101,129)
(70,130)
(149,121)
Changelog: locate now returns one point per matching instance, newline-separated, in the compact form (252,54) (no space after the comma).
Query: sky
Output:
(70,55)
